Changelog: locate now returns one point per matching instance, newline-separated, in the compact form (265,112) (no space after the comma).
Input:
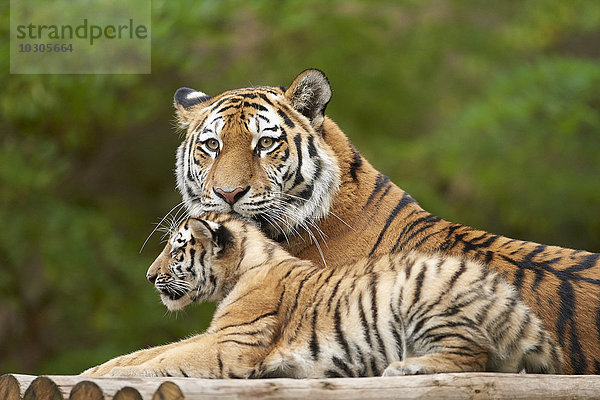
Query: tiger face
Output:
(194,263)
(258,153)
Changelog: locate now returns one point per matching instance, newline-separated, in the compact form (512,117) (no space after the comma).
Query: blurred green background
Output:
(487,112)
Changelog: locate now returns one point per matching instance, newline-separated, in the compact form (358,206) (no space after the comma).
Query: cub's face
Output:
(194,264)
(258,153)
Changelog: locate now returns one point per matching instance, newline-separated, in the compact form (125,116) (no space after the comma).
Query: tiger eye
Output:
(266,142)
(212,144)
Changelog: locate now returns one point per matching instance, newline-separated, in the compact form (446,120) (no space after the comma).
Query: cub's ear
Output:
(208,231)
(309,94)
(184,101)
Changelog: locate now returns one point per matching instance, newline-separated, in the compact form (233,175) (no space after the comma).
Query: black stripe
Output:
(380,182)
(190,155)
(419,283)
(362,363)
(260,116)
(314,342)
(333,293)
(363,321)
(338,362)
(404,201)
(374,367)
(228,107)
(565,317)
(457,274)
(397,339)
(265,315)
(218,103)
(241,343)
(406,236)
(588,262)
(442,336)
(299,290)
(339,335)
(312,150)
(518,278)
(333,374)
(201,259)
(307,192)
(501,320)
(265,98)
(249,333)
(259,107)
(286,119)
(374,308)
(190,269)
(298,179)
(356,163)
(248,95)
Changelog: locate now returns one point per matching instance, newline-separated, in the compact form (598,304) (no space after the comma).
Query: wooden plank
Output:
(440,386)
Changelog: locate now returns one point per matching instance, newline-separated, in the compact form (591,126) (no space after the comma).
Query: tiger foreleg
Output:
(203,356)
(135,358)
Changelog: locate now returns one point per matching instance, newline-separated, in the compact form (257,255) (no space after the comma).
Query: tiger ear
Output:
(211,232)
(184,101)
(309,94)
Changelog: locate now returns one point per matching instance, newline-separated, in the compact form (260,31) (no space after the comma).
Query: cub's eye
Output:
(212,144)
(266,142)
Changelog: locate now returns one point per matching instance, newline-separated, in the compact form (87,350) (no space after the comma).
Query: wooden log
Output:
(168,391)
(9,388)
(440,386)
(86,390)
(42,388)
(127,393)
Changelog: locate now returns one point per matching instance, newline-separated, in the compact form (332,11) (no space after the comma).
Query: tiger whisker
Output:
(311,200)
(272,222)
(289,211)
(180,204)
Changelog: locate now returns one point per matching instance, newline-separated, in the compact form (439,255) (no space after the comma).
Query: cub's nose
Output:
(231,195)
(151,278)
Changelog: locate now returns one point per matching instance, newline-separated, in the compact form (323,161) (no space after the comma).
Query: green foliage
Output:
(486,112)
(523,159)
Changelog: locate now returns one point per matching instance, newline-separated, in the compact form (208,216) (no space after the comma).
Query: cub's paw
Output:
(132,371)
(407,367)
(94,371)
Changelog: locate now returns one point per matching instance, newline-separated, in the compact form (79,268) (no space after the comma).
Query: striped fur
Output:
(279,316)
(351,210)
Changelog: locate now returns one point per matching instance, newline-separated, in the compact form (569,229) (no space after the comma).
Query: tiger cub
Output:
(280,316)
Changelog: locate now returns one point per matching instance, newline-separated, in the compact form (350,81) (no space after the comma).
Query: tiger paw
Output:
(133,371)
(407,367)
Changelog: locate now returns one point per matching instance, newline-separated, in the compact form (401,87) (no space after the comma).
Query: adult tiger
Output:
(271,155)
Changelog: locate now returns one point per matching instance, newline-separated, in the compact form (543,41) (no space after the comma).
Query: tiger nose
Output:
(151,278)
(231,195)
